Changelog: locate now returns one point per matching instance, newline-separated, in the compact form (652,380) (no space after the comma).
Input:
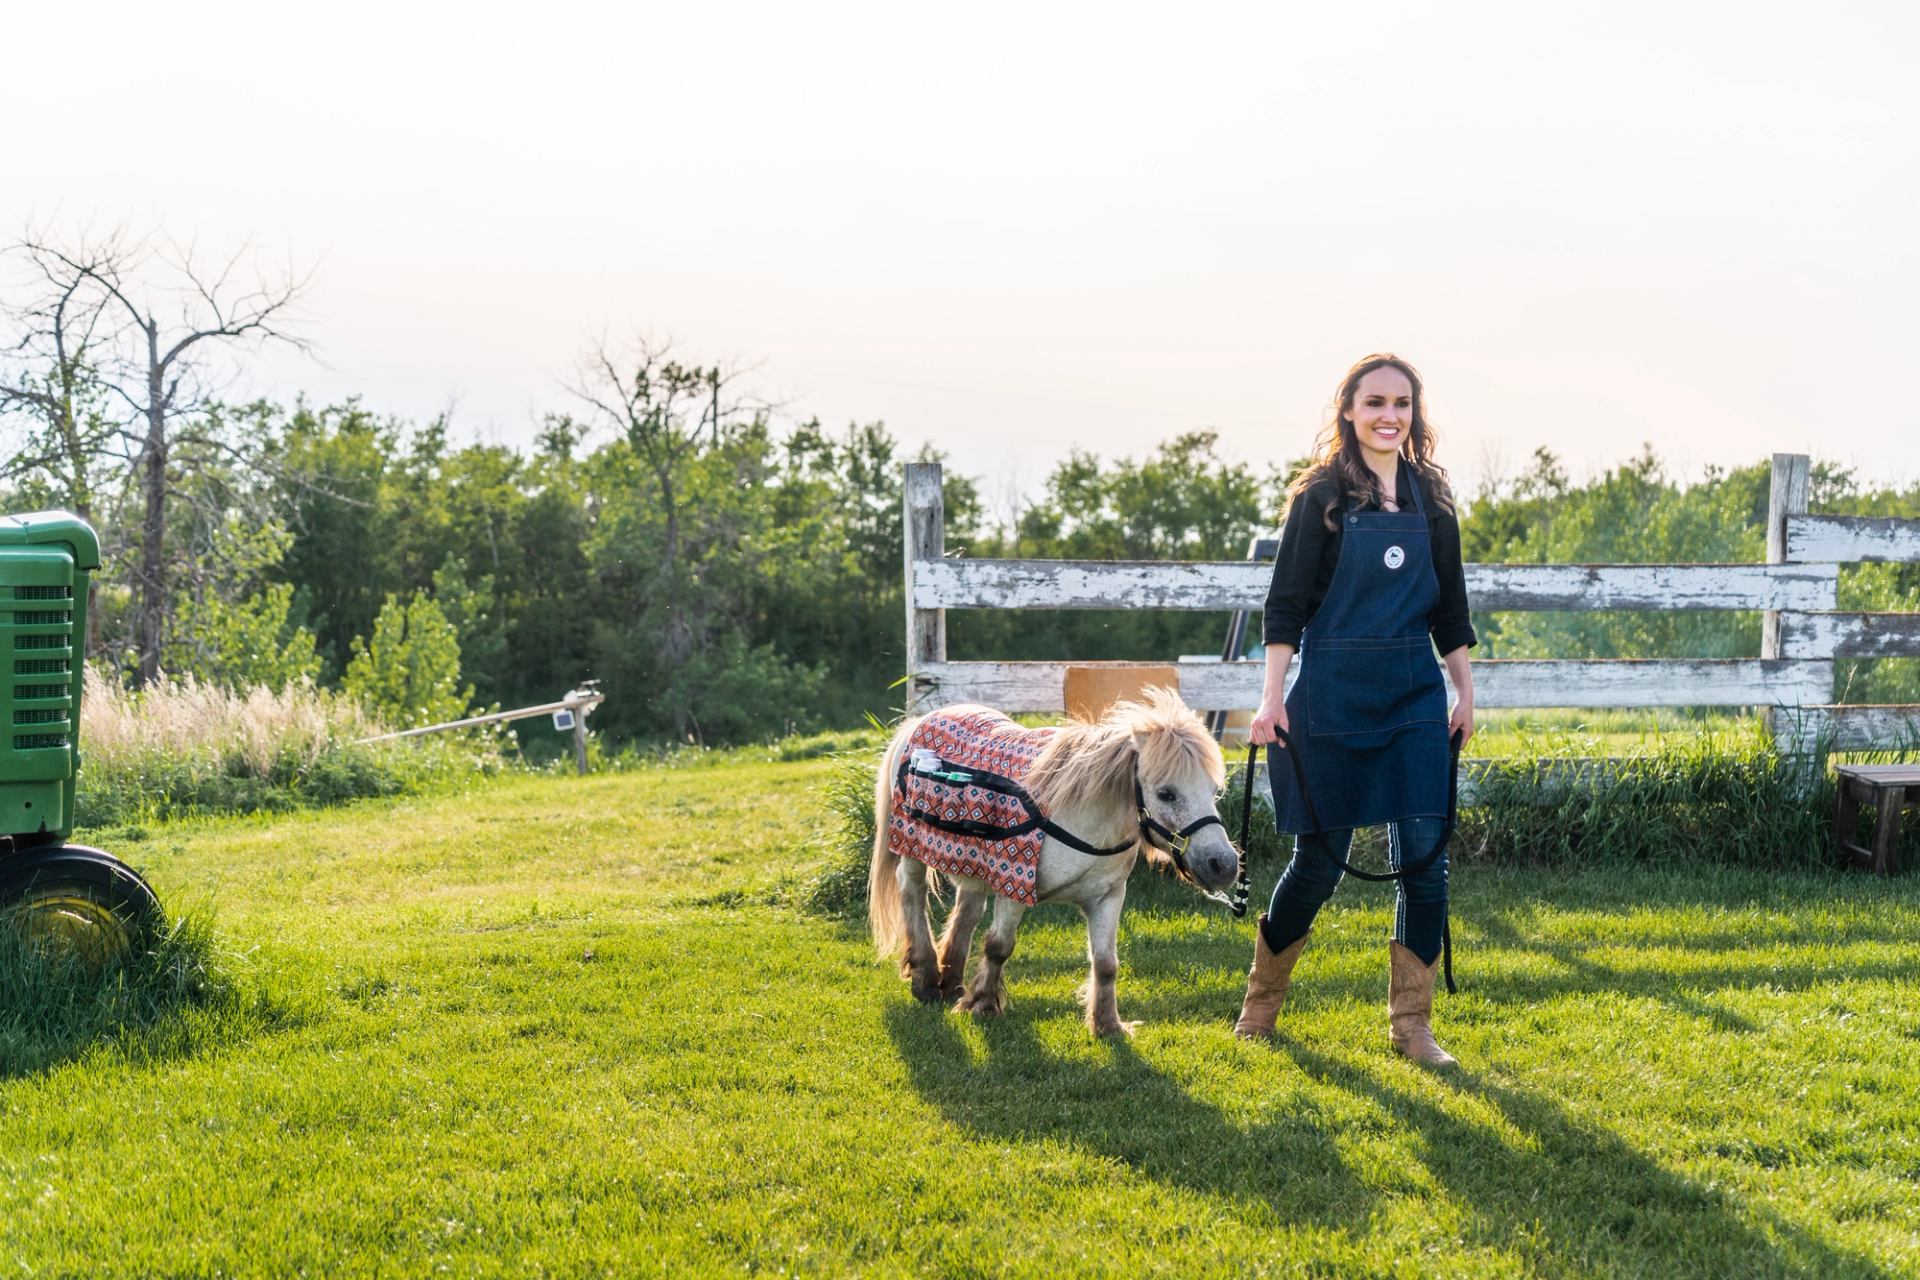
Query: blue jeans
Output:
(1310,879)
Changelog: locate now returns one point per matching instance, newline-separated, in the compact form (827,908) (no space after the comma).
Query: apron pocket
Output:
(1372,687)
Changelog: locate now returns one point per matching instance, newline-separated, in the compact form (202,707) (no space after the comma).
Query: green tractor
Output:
(62,895)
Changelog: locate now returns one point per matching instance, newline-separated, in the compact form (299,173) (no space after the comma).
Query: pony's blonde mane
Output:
(1093,763)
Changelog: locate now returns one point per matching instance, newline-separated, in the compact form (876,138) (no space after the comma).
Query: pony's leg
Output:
(918,965)
(970,899)
(987,993)
(1103,951)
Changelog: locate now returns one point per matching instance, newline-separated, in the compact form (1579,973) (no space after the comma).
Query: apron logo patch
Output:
(1395,557)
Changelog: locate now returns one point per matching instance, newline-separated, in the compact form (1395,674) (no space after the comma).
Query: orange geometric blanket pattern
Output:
(946,779)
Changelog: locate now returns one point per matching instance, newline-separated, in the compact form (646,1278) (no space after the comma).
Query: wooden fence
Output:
(1796,591)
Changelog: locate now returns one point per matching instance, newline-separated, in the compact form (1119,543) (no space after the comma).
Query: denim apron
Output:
(1369,709)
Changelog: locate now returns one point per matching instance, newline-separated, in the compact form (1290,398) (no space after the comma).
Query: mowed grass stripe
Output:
(570,1026)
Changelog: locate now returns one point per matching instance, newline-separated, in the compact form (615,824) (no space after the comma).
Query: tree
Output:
(51,384)
(229,625)
(157,368)
(51,388)
(408,673)
(660,409)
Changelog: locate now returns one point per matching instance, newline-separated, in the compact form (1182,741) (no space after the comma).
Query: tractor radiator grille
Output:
(54,608)
(38,741)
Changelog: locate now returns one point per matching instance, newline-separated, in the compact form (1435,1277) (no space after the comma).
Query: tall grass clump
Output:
(1728,799)
(838,887)
(182,747)
(181,991)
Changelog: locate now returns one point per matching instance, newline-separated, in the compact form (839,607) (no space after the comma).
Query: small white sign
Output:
(563,718)
(1395,557)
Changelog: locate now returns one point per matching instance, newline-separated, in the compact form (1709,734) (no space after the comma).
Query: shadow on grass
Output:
(1494,915)
(1572,1196)
(178,997)
(1497,911)
(1577,1192)
(1125,1109)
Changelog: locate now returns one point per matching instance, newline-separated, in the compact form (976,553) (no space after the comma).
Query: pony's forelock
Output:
(1169,736)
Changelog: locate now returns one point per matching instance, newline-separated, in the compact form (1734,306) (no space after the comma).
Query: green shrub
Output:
(838,886)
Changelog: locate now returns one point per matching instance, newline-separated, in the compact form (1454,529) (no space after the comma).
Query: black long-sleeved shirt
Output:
(1309,550)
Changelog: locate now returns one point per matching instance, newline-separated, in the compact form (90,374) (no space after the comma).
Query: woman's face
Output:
(1382,414)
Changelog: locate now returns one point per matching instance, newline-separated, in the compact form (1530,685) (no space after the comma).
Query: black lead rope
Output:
(1319,841)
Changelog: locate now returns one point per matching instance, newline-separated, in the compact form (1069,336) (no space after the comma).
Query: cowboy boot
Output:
(1267,984)
(1410,1008)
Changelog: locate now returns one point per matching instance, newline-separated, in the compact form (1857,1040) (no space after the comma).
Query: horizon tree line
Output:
(726,579)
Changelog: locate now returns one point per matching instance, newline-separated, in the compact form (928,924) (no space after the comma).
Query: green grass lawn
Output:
(574,1026)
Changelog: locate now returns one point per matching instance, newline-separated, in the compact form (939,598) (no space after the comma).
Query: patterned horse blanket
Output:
(959,802)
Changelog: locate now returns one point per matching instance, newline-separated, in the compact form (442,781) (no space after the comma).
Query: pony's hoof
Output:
(1117,1028)
(988,1005)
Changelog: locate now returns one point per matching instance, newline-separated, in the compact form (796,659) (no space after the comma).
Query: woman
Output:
(1367,583)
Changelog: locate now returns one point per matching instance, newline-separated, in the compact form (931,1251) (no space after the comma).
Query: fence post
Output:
(923,529)
(1787,495)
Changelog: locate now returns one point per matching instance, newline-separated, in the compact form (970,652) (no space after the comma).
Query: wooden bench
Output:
(1887,789)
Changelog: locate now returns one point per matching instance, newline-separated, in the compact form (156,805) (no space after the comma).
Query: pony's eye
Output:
(1167,795)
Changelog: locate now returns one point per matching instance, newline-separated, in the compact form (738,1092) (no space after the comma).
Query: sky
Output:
(1015,230)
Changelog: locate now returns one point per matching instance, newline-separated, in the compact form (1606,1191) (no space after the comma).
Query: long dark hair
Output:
(1337,451)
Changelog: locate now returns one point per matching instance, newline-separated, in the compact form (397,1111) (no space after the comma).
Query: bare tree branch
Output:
(152,369)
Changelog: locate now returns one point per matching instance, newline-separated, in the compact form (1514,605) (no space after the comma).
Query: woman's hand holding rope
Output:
(1265,721)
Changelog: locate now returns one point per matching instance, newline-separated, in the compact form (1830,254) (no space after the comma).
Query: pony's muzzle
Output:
(1216,869)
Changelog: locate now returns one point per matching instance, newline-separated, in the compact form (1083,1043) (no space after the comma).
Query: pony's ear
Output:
(1136,752)
(1126,767)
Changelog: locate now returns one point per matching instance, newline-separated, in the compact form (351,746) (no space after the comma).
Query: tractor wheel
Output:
(78,900)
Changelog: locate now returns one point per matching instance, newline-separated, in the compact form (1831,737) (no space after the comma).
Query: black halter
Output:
(1177,843)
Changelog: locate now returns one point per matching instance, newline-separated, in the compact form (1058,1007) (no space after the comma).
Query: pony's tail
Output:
(884,916)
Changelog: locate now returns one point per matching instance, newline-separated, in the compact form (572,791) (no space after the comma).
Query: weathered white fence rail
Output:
(1603,682)
(1795,592)
(1205,585)
(1851,538)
